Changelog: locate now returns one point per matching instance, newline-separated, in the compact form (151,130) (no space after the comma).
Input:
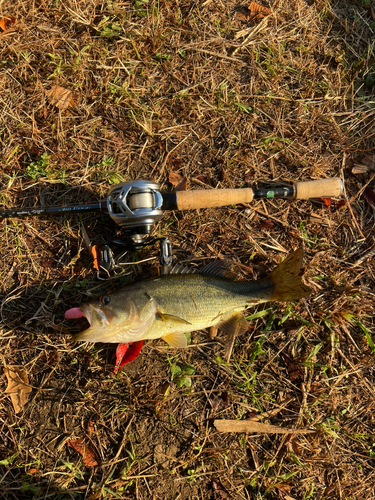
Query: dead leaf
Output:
(292,446)
(360,169)
(18,386)
(371,13)
(182,186)
(283,488)
(248,176)
(175,178)
(240,16)
(178,181)
(266,224)
(258,12)
(365,164)
(7,21)
(48,263)
(258,427)
(340,204)
(294,369)
(90,428)
(60,97)
(220,491)
(90,458)
(369,196)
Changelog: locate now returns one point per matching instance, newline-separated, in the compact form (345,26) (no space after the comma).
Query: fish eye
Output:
(106,299)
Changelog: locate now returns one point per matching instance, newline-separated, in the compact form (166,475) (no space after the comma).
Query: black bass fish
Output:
(170,306)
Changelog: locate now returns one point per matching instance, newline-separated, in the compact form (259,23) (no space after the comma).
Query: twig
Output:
(346,198)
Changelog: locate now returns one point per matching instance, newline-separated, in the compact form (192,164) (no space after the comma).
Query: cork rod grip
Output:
(204,198)
(325,188)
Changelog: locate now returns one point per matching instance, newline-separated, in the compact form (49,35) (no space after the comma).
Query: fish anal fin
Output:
(176,339)
(220,268)
(286,279)
(235,325)
(170,317)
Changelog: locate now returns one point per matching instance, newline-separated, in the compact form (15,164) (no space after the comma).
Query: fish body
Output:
(171,306)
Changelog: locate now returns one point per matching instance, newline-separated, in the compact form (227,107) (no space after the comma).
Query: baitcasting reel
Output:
(136,207)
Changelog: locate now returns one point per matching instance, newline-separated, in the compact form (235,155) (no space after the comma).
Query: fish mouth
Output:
(96,315)
(98,319)
(79,312)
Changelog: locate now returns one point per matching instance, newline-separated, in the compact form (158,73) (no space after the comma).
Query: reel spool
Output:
(135,206)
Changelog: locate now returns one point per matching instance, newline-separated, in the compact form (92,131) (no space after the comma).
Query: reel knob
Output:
(135,206)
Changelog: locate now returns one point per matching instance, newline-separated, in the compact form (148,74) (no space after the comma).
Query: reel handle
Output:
(325,188)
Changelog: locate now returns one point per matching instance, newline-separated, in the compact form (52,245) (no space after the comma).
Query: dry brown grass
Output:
(188,86)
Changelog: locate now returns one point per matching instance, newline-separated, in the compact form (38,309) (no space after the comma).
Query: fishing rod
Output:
(136,206)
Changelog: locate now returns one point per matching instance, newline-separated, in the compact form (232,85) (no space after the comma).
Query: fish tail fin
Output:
(286,278)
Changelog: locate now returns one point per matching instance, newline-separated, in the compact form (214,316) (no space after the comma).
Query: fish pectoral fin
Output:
(170,317)
(176,339)
(235,325)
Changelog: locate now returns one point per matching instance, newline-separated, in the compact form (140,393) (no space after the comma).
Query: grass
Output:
(187,86)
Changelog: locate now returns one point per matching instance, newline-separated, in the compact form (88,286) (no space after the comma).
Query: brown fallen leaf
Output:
(360,169)
(365,164)
(294,368)
(369,196)
(7,21)
(292,446)
(258,12)
(241,16)
(340,204)
(18,386)
(371,13)
(60,97)
(220,491)
(283,488)
(178,181)
(266,224)
(90,459)
(90,428)
(258,427)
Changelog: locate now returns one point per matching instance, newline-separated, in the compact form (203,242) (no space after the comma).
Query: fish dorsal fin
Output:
(220,269)
(176,339)
(170,317)
(235,325)
(181,269)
